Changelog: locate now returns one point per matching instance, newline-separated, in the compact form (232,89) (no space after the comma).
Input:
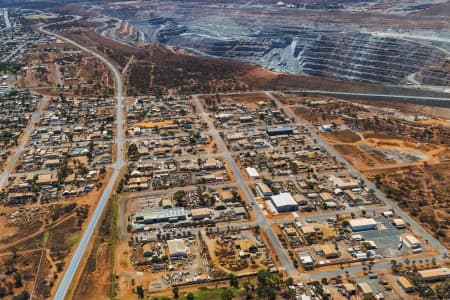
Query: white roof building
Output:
(284,202)
(361,224)
(252,172)
(177,248)
(411,241)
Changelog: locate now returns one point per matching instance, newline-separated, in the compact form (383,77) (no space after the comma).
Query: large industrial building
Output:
(284,202)
(158,216)
(362,224)
(280,130)
(438,274)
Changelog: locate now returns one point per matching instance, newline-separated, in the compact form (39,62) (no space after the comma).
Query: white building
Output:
(411,241)
(252,172)
(177,248)
(284,202)
(362,224)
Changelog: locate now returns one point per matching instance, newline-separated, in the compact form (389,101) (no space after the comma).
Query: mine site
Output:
(225,150)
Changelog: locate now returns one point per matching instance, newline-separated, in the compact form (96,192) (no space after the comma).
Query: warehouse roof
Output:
(176,247)
(435,273)
(411,240)
(200,211)
(362,222)
(283,129)
(399,223)
(283,199)
(404,282)
(161,214)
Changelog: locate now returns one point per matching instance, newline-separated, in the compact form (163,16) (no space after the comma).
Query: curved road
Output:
(117,166)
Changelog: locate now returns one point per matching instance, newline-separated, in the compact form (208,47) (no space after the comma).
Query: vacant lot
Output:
(423,191)
(344,136)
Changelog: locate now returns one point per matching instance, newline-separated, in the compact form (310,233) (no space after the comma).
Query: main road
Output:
(79,253)
(6,17)
(261,219)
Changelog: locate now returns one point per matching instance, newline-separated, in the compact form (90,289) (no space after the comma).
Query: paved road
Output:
(417,228)
(117,166)
(6,17)
(261,219)
(25,137)
(373,95)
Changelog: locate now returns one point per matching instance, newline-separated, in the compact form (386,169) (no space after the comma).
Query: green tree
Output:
(190,296)
(132,150)
(18,280)
(175,293)
(227,294)
(290,281)
(394,265)
(234,281)
(179,195)
(140,291)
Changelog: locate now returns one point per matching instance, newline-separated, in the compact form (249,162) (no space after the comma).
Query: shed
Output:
(405,284)
(399,223)
(364,288)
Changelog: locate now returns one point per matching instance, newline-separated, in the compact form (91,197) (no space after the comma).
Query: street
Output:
(80,251)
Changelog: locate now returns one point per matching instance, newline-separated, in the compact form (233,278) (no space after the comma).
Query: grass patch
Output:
(71,239)
(45,238)
(208,294)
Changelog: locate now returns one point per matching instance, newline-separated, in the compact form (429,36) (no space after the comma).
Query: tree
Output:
(290,281)
(227,294)
(175,292)
(190,296)
(247,288)
(22,296)
(132,150)
(14,252)
(267,284)
(234,281)
(18,280)
(3,292)
(140,291)
(179,195)
(394,265)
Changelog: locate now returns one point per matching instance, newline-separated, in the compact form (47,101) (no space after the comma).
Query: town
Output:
(227,195)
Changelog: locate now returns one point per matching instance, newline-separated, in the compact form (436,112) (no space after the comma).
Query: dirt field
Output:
(422,191)
(344,136)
